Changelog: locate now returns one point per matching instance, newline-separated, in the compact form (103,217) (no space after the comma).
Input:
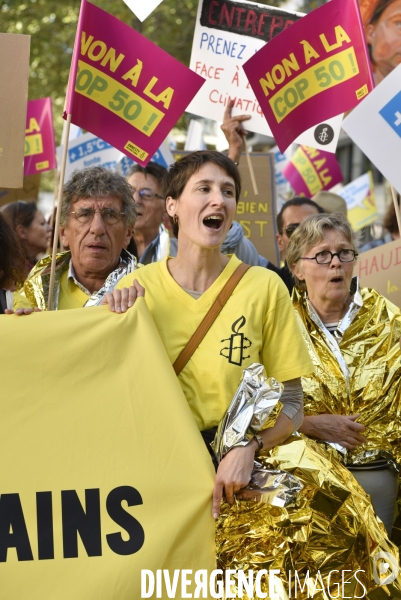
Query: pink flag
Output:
(126,90)
(40,149)
(312,71)
(311,170)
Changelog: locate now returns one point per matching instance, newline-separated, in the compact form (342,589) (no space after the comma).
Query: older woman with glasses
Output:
(352,401)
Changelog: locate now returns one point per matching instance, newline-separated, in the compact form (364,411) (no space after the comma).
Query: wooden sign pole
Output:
(58,213)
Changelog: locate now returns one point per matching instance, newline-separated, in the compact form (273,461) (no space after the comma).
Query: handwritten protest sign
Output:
(375,126)
(361,201)
(142,9)
(380,269)
(88,150)
(227,33)
(123,88)
(257,214)
(14,72)
(40,150)
(310,171)
(316,70)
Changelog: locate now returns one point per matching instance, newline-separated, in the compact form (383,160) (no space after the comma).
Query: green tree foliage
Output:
(309,5)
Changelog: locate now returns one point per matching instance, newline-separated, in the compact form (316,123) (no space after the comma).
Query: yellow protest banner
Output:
(103,471)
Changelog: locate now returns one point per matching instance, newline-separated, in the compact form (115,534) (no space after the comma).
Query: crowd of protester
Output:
(117,247)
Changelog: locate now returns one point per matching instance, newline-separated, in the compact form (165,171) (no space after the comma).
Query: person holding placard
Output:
(256,323)
(97,216)
(353,398)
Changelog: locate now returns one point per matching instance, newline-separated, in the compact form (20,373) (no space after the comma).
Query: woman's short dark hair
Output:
(178,174)
(12,260)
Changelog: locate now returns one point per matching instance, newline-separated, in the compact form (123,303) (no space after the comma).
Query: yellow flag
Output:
(103,471)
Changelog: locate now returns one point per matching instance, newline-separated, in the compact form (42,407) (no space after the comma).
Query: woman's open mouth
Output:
(213,222)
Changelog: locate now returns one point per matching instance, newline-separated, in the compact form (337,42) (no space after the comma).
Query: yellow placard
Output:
(307,171)
(103,471)
(322,76)
(117,98)
(33,144)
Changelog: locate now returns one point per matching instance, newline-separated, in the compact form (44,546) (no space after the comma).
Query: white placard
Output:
(323,136)
(195,139)
(89,151)
(375,126)
(142,8)
(218,56)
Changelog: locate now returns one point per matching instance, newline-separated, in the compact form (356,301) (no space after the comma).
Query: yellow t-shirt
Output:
(257,324)
(70,295)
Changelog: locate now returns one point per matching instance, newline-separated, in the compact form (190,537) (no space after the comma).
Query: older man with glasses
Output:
(97,217)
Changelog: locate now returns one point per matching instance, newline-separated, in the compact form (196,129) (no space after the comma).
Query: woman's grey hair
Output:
(97,182)
(311,232)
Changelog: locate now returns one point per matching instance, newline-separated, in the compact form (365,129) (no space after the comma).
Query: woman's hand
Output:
(21,311)
(342,429)
(234,473)
(120,301)
(234,132)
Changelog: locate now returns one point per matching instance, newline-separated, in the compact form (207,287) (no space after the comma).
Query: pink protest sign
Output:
(312,71)
(127,91)
(311,170)
(40,149)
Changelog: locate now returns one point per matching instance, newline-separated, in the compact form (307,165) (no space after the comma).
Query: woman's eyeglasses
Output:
(325,257)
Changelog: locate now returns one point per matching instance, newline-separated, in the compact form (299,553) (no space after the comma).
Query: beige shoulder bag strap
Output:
(209,318)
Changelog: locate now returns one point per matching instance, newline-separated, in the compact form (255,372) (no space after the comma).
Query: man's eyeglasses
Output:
(147,194)
(325,257)
(110,216)
(291,228)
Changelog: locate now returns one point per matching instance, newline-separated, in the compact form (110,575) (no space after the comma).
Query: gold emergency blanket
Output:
(36,287)
(368,381)
(327,541)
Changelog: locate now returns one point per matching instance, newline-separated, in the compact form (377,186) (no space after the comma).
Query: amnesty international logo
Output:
(238,344)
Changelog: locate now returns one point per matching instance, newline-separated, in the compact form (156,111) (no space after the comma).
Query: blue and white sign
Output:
(391,113)
(87,150)
(375,126)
